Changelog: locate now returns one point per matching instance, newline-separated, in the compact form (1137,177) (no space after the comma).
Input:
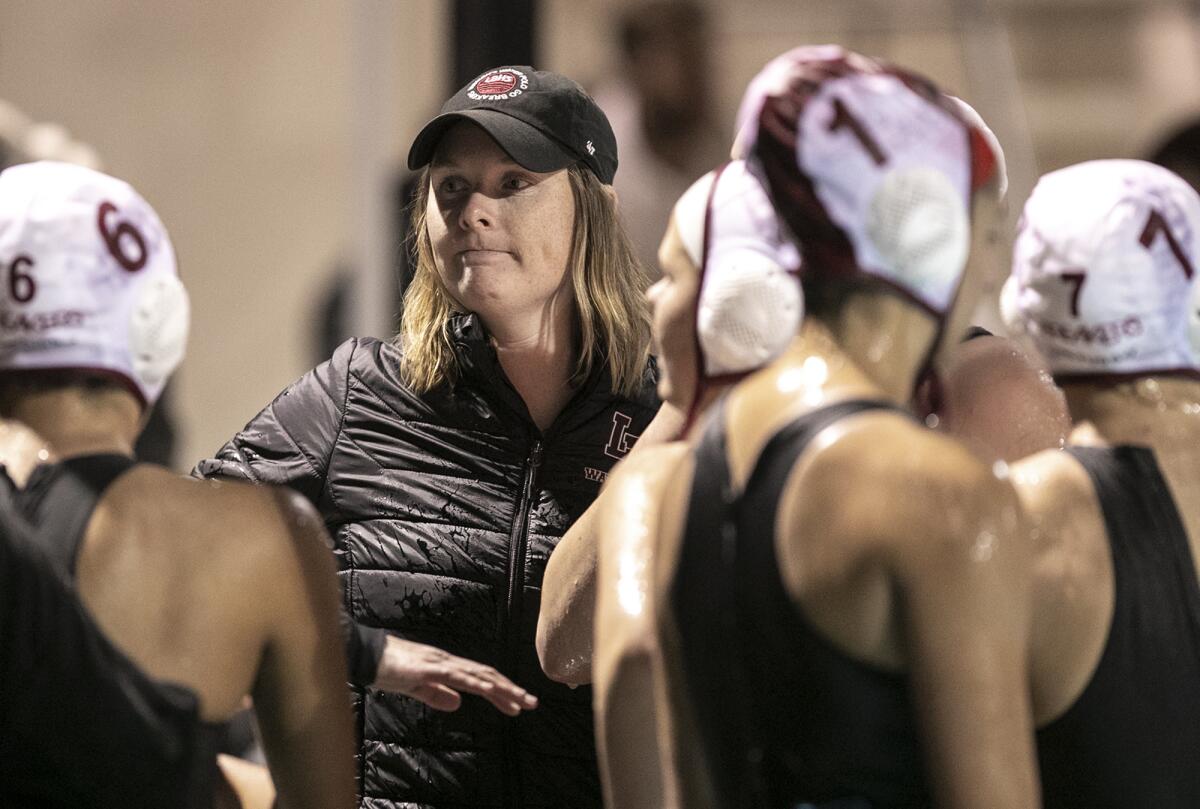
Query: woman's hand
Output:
(436,677)
(242,785)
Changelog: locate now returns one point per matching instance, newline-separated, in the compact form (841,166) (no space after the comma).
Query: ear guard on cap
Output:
(158,330)
(750,304)
(918,226)
(748,313)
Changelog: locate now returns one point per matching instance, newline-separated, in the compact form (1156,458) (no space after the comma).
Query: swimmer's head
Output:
(873,169)
(1104,271)
(90,280)
(729,301)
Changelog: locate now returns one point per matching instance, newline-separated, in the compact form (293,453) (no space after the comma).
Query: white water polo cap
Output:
(872,168)
(89,280)
(1104,276)
(750,305)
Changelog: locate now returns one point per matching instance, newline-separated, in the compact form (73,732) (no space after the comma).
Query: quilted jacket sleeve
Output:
(289,444)
(290,441)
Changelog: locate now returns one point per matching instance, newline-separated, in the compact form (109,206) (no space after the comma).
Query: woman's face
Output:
(673,303)
(501,234)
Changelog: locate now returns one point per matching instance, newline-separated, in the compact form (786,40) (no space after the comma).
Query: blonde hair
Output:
(607,284)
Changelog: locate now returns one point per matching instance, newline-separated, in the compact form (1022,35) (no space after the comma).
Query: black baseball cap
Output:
(543,120)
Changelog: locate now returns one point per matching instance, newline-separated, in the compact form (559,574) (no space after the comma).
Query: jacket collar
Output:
(472,345)
(480,367)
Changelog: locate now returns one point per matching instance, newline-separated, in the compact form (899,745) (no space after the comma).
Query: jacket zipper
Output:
(518,540)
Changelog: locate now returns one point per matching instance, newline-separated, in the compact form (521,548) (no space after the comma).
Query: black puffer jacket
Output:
(444,508)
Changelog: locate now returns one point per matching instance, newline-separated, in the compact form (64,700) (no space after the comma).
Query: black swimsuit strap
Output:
(723,529)
(59,500)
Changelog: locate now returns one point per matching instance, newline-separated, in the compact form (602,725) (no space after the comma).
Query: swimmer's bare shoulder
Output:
(630,720)
(880,487)
(1059,498)
(637,518)
(1072,578)
(21,449)
(565,631)
(927,542)
(917,485)
(646,475)
(214,519)
(244,551)
(666,474)
(244,572)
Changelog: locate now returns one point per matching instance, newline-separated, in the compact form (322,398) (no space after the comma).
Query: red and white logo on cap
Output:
(497,85)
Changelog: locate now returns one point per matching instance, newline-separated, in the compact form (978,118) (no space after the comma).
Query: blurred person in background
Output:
(841,593)
(1104,282)
(449,461)
(235,592)
(659,101)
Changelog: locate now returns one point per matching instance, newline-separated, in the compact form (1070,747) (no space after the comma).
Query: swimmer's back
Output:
(896,547)
(185,576)
(1116,654)
(229,589)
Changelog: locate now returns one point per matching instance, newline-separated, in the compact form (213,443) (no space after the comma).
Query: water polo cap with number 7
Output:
(1104,271)
(89,281)
(872,168)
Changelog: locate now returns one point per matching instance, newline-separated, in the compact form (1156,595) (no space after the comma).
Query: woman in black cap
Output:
(449,461)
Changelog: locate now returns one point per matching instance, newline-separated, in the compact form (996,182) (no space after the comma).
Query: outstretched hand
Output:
(436,678)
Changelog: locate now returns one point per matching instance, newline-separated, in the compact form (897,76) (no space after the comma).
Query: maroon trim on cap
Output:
(124,380)
(717,380)
(825,247)
(984,164)
(822,243)
(1117,377)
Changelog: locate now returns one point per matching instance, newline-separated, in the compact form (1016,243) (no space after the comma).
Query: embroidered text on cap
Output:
(497,85)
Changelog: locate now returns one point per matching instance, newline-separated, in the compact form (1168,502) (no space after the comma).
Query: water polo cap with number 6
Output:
(872,168)
(1104,271)
(88,279)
